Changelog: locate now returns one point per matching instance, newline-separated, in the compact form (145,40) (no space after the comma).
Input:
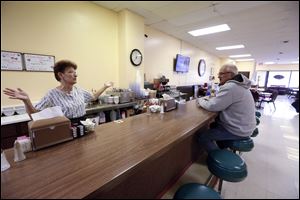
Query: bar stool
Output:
(255,132)
(257,114)
(226,165)
(243,145)
(257,121)
(196,191)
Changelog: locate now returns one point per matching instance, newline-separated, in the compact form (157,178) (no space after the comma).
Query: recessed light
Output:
(285,41)
(240,56)
(269,63)
(239,46)
(247,59)
(210,30)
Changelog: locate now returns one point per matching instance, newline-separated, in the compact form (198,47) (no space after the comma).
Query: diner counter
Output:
(5,120)
(115,161)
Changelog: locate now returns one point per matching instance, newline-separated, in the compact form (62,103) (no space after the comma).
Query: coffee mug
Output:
(116,99)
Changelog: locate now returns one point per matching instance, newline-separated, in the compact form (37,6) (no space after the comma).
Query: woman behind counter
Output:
(70,98)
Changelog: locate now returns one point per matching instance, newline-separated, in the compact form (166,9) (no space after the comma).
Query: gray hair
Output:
(230,68)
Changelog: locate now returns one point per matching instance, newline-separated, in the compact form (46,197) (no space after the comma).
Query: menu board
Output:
(11,61)
(36,62)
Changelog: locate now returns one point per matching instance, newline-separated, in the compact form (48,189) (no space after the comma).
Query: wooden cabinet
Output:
(10,132)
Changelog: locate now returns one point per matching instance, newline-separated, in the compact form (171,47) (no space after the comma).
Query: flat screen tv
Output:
(182,63)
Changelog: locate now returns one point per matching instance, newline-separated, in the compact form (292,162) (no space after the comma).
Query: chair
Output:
(256,98)
(272,98)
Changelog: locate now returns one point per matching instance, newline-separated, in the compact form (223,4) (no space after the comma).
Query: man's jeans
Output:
(217,133)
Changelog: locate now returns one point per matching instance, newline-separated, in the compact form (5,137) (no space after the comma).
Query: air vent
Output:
(285,41)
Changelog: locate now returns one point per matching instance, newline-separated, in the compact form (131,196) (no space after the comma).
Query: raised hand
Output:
(16,94)
(109,84)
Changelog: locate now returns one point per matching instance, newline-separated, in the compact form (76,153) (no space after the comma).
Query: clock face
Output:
(136,57)
(201,67)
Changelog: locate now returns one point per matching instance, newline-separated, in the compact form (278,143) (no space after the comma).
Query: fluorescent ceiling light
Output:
(240,56)
(269,63)
(295,62)
(210,30)
(231,47)
(248,59)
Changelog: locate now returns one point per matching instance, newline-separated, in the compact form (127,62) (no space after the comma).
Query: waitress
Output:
(70,98)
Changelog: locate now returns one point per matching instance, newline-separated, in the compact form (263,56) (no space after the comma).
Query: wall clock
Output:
(136,57)
(201,67)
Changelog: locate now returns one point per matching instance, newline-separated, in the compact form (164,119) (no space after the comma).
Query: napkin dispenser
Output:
(169,104)
(47,132)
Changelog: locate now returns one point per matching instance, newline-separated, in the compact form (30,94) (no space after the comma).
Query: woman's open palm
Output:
(16,94)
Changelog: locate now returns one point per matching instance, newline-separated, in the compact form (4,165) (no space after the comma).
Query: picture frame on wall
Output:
(11,61)
(39,62)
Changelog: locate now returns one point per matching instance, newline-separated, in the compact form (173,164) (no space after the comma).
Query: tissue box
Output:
(47,132)
(169,104)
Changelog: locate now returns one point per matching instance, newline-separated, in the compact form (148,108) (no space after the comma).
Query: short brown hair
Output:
(61,66)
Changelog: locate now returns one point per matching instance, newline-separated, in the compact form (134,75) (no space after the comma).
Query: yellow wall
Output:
(131,36)
(246,66)
(79,31)
(161,49)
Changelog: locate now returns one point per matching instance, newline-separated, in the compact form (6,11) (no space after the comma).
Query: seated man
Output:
(235,104)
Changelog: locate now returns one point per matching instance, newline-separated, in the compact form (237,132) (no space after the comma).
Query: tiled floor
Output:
(273,164)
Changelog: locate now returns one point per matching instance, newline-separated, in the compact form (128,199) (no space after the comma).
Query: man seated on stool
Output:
(235,104)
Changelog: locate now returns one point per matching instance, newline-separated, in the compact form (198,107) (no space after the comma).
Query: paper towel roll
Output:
(19,154)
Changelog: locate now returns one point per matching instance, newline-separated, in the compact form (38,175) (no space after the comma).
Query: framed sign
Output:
(36,62)
(11,61)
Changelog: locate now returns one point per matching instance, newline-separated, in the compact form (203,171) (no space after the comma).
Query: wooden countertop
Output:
(78,168)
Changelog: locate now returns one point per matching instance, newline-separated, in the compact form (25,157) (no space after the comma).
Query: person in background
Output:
(70,98)
(235,104)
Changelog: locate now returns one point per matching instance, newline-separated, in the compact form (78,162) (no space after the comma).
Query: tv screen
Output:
(182,63)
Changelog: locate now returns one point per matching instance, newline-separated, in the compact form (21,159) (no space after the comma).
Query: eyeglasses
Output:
(222,73)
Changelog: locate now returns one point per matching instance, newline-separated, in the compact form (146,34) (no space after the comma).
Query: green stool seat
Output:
(196,191)
(257,114)
(255,132)
(243,145)
(257,121)
(227,165)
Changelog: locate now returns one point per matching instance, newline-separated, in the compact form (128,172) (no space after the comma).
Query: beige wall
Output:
(80,31)
(246,66)
(160,51)
(131,36)
(97,39)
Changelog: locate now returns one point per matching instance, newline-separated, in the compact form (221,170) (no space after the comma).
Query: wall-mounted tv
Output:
(182,63)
